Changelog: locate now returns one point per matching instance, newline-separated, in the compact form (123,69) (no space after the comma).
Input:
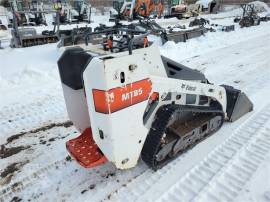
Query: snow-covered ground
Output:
(231,165)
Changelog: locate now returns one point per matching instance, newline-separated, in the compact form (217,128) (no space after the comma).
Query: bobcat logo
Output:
(110,97)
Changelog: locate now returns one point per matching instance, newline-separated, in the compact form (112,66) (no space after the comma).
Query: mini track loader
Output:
(136,103)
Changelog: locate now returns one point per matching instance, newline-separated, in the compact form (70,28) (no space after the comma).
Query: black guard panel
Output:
(71,66)
(178,71)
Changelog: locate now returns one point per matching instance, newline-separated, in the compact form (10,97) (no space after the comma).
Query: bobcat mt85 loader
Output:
(137,103)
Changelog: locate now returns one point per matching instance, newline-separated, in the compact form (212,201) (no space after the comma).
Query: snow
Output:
(210,42)
(233,11)
(32,102)
(260,6)
(253,192)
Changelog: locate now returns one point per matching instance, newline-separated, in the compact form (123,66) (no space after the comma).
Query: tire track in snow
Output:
(65,124)
(42,148)
(10,191)
(224,171)
(33,181)
(22,118)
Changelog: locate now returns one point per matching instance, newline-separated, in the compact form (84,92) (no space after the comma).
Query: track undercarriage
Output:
(176,129)
(39,40)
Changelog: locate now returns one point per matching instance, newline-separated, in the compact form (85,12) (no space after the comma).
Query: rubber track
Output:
(152,142)
(163,116)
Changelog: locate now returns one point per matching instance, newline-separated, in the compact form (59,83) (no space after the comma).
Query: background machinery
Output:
(175,8)
(84,11)
(249,17)
(133,102)
(133,9)
(37,13)
(209,6)
(28,13)
(73,12)
(28,36)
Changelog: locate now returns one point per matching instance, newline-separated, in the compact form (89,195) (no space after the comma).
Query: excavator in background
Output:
(84,11)
(133,9)
(129,101)
(28,13)
(37,13)
(146,7)
(180,9)
(28,36)
(176,9)
(78,11)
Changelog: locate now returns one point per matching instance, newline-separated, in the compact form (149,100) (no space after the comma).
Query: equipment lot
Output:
(34,129)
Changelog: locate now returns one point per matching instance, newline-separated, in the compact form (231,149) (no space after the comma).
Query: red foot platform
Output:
(85,150)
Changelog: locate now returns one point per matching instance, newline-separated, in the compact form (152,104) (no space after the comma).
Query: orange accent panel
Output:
(85,151)
(121,97)
(100,103)
(154,96)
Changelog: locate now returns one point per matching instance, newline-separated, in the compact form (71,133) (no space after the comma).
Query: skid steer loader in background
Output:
(136,103)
